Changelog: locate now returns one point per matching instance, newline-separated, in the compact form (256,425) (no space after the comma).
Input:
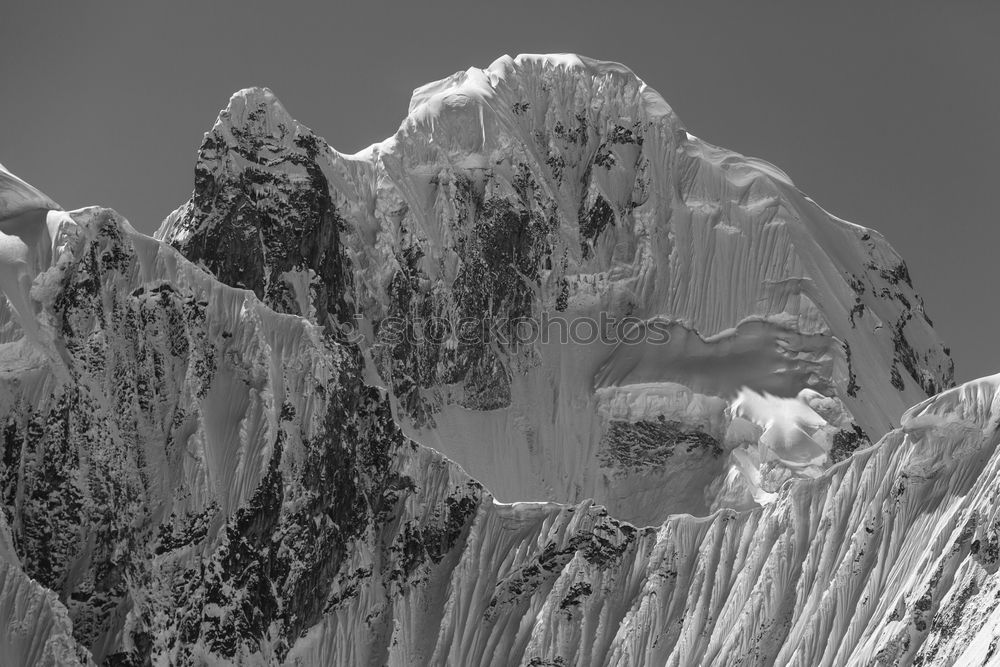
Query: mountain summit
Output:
(542,379)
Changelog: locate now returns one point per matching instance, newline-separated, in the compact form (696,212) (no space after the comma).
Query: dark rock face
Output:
(888,280)
(847,441)
(644,444)
(501,244)
(272,216)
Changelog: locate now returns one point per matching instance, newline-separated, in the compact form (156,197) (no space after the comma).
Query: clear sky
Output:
(886,113)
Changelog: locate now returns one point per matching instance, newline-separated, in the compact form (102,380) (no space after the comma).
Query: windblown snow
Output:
(234,445)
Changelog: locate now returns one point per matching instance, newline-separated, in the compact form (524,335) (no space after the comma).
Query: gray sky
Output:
(886,113)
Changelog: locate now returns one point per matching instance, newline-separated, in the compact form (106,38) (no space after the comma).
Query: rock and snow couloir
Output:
(200,469)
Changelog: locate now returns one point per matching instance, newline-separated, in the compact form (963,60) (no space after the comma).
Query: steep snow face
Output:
(564,188)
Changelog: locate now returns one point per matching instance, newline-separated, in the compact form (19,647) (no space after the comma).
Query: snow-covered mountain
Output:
(218,448)
(563,187)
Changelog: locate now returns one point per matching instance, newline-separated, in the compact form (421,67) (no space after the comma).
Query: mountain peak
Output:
(532,68)
(253,105)
(465,113)
(255,124)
